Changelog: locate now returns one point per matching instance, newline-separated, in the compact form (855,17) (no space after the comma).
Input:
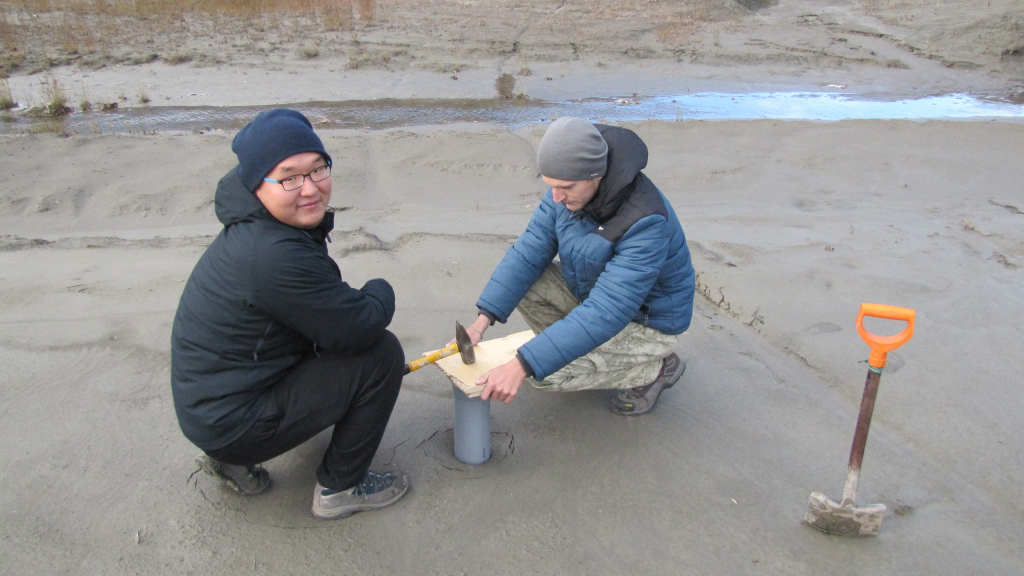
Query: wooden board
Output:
(489,354)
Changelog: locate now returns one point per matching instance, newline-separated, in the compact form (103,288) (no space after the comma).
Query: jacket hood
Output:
(627,156)
(233,203)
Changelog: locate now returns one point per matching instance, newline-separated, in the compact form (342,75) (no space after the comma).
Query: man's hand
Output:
(476,330)
(503,382)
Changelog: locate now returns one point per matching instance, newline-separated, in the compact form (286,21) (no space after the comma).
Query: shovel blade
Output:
(844,519)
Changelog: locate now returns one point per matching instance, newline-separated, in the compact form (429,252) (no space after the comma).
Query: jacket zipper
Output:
(259,343)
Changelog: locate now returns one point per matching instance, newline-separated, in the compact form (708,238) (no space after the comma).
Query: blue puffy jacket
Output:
(624,257)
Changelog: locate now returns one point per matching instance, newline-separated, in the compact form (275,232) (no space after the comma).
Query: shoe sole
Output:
(345,512)
(206,464)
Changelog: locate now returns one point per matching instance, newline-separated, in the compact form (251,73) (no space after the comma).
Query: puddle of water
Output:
(834,107)
(514,113)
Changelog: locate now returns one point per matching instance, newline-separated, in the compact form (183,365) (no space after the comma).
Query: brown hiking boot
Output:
(640,400)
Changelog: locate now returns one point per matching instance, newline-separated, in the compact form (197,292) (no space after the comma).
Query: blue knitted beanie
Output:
(271,137)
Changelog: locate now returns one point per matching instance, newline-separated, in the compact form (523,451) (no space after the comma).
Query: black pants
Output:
(353,393)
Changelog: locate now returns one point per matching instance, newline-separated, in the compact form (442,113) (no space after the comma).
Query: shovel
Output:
(846,518)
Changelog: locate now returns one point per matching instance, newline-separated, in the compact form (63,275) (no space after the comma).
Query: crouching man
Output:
(269,346)
(609,312)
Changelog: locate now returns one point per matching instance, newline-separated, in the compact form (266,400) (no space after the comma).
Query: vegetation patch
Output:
(56,98)
(639,53)
(175,58)
(36,35)
(7,101)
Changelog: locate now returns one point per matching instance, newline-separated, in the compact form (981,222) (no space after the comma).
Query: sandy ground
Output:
(791,224)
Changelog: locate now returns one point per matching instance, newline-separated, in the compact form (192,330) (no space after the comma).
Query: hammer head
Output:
(465,344)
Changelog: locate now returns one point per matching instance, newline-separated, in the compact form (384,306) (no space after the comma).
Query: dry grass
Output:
(6,99)
(56,98)
(366,10)
(48,125)
(524,66)
(374,58)
(38,34)
(7,33)
(84,104)
(175,58)
(180,8)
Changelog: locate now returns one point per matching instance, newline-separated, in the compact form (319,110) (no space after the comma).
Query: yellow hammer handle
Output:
(433,357)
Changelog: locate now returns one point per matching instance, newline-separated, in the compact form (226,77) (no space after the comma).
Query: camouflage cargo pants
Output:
(631,358)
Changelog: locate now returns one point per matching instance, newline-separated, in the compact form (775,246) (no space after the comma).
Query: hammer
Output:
(463,345)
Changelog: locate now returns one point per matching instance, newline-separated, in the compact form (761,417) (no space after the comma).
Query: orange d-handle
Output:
(881,345)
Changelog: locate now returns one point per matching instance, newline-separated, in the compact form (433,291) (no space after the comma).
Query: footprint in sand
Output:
(824,328)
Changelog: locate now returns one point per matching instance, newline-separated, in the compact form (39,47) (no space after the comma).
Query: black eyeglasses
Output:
(296,181)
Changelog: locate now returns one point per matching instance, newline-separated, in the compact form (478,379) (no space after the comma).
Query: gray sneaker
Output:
(374,492)
(246,480)
(640,400)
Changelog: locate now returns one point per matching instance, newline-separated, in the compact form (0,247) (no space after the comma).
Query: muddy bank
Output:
(444,49)
(519,113)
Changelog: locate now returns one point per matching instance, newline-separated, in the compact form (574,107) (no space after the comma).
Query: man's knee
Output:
(390,349)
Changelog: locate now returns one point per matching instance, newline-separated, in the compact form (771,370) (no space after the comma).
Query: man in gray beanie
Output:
(270,346)
(608,313)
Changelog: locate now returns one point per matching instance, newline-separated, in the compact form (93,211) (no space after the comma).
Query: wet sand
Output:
(792,225)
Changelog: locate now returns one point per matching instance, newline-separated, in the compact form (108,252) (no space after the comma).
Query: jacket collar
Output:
(627,156)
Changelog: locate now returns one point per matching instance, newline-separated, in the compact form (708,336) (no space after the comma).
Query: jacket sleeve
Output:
(613,302)
(523,263)
(298,285)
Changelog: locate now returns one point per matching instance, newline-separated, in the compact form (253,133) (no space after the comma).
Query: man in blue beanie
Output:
(270,346)
(608,313)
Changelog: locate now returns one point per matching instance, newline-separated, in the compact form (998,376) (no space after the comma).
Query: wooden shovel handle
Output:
(881,345)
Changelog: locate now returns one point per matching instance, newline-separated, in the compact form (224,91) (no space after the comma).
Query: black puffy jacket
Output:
(263,297)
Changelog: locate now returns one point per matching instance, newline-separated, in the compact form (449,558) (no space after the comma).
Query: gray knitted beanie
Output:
(572,149)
